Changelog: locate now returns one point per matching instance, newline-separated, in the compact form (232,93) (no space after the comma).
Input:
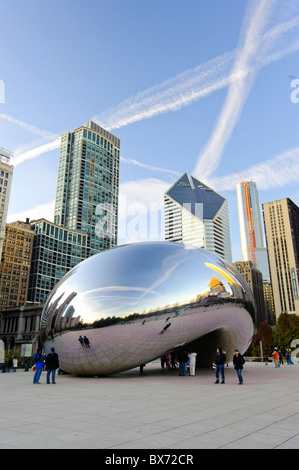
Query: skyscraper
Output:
(254,279)
(6,171)
(195,214)
(251,231)
(88,185)
(55,251)
(281,219)
(15,264)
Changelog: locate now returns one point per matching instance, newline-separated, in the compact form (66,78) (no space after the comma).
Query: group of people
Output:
(51,362)
(220,360)
(186,357)
(84,341)
(11,363)
(278,357)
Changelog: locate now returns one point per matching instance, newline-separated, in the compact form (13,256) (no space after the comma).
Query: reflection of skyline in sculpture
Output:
(125,297)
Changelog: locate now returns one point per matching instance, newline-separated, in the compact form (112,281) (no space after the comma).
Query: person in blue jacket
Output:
(39,365)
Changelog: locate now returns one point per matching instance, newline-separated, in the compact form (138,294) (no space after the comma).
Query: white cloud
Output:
(41,211)
(276,172)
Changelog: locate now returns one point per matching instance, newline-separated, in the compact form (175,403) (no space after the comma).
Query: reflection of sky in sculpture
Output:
(145,289)
(136,302)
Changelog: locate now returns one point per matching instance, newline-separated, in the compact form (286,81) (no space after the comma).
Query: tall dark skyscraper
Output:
(88,185)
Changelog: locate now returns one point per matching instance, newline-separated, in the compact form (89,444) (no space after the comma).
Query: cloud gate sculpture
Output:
(135,303)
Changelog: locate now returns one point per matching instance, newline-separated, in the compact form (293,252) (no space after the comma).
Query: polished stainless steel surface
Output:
(134,303)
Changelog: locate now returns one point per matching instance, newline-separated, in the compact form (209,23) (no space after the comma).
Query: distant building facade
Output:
(254,279)
(20,328)
(281,219)
(6,172)
(195,214)
(15,264)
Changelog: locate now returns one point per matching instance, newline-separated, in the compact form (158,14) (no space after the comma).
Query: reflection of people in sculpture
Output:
(81,341)
(165,328)
(192,357)
(86,342)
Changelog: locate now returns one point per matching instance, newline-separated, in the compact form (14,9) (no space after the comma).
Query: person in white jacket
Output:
(14,364)
(192,365)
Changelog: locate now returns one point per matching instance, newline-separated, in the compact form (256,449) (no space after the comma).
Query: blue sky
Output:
(207,87)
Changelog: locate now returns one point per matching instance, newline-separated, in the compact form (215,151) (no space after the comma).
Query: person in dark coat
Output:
(182,358)
(220,360)
(52,363)
(238,361)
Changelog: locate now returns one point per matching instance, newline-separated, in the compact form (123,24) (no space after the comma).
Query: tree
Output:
(263,334)
(286,329)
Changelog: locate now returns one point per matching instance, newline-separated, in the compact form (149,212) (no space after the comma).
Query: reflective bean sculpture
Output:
(135,303)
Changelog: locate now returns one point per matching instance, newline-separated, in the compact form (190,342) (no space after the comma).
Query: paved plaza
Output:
(158,410)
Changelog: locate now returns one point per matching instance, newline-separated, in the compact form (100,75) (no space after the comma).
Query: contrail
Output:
(149,167)
(36,152)
(28,127)
(172,94)
(189,86)
(238,91)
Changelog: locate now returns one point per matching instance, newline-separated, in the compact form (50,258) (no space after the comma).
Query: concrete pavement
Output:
(158,410)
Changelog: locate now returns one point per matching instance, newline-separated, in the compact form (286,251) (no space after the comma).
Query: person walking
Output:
(238,361)
(182,358)
(275,357)
(52,363)
(219,363)
(39,365)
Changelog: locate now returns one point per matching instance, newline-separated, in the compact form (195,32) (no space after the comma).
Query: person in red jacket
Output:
(275,357)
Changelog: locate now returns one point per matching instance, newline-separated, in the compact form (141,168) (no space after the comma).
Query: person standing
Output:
(27,364)
(52,363)
(14,364)
(183,358)
(192,357)
(219,363)
(9,364)
(238,361)
(39,365)
(168,361)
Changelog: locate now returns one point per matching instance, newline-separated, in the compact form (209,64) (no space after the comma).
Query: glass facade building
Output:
(251,231)
(197,215)
(55,251)
(88,185)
